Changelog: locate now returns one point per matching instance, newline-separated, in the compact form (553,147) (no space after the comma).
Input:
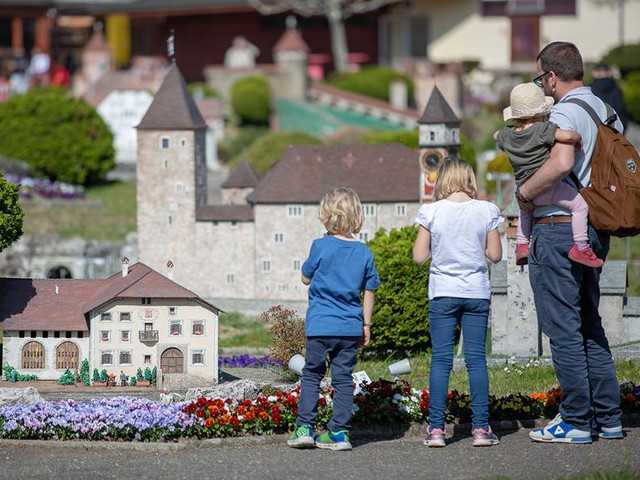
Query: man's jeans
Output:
(342,357)
(567,296)
(444,314)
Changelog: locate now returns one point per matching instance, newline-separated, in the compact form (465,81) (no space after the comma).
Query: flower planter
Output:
(99,384)
(143,383)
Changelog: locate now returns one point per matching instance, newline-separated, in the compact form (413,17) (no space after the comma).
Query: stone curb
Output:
(383,432)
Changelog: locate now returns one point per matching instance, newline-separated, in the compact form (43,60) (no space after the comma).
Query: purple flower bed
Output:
(119,418)
(45,188)
(246,360)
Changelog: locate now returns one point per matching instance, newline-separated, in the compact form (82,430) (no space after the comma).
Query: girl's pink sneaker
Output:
(585,257)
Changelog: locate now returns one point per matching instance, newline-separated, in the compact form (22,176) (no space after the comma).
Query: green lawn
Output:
(242,331)
(108,213)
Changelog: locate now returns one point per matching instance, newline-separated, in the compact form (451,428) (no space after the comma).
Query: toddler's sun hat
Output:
(527,100)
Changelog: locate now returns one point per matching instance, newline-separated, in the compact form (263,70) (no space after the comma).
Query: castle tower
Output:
(290,54)
(439,137)
(96,57)
(171,175)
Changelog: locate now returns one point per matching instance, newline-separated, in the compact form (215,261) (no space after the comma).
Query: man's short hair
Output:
(563,59)
(601,67)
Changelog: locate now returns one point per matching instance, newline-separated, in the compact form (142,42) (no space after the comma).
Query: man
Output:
(566,294)
(606,89)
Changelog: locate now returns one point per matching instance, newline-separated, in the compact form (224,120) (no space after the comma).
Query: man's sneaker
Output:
(302,437)
(522,254)
(608,433)
(435,437)
(559,432)
(585,257)
(484,438)
(334,440)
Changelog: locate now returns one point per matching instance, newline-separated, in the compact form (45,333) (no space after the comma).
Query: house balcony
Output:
(148,335)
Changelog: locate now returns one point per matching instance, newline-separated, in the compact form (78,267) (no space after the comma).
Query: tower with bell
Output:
(439,129)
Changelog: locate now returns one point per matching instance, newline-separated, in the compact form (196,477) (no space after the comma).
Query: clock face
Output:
(431,159)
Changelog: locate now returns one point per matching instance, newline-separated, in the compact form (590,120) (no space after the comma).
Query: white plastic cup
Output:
(400,367)
(296,363)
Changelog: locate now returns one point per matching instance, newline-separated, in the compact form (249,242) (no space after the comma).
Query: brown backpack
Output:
(613,195)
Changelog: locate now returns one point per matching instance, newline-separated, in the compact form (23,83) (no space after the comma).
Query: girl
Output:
(458,232)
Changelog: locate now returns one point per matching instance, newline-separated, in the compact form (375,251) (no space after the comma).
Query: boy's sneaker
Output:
(585,257)
(435,437)
(334,440)
(522,254)
(558,431)
(608,433)
(302,437)
(484,438)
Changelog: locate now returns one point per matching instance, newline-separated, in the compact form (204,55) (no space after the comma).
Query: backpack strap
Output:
(611,114)
(611,117)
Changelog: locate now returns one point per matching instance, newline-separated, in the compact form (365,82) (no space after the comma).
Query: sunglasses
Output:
(538,79)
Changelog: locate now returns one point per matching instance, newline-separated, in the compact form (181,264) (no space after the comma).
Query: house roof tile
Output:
(172,107)
(62,305)
(379,173)
(224,213)
(243,176)
(438,110)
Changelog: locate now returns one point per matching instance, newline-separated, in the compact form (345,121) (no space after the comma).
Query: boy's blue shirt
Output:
(339,270)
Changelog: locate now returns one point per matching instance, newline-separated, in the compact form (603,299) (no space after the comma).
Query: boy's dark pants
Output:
(342,357)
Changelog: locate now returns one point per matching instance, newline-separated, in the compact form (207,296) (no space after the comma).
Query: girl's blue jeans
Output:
(341,352)
(444,315)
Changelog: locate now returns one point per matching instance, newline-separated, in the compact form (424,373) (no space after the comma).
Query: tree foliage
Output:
(60,137)
(11,213)
(625,57)
(251,100)
(400,319)
(265,151)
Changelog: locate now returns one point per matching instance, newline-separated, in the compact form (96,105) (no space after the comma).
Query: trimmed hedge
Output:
(370,81)
(251,100)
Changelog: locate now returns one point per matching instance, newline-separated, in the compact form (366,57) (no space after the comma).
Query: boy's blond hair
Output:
(455,175)
(341,211)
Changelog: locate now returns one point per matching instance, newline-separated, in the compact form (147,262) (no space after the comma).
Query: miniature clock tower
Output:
(439,138)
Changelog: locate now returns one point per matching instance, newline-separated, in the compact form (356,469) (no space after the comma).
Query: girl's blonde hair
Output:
(455,175)
(341,211)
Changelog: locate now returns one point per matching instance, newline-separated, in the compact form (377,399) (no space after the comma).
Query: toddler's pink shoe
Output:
(522,254)
(585,257)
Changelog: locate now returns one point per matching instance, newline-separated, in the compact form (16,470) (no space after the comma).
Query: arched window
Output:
(33,355)
(67,356)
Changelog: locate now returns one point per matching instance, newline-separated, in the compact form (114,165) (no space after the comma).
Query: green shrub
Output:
(251,100)
(236,143)
(133,381)
(287,333)
(96,375)
(11,214)
(625,57)
(408,138)
(147,374)
(84,372)
(67,378)
(139,375)
(265,151)
(202,88)
(401,312)
(632,96)
(154,376)
(60,137)
(104,377)
(370,81)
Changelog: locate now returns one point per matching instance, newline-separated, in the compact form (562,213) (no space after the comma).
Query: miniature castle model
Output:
(252,247)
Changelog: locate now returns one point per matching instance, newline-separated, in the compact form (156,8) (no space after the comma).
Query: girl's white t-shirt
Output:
(458,242)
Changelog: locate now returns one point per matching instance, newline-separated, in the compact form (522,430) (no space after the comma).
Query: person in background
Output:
(39,67)
(339,270)
(604,87)
(459,233)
